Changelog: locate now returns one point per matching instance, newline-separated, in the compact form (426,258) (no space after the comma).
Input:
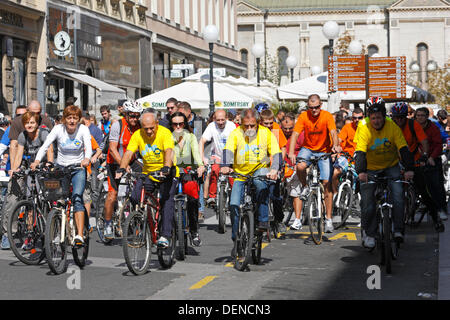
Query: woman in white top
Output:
(74,147)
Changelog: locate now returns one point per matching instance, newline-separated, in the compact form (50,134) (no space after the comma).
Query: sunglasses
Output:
(358,118)
(178,124)
(314,107)
(133,116)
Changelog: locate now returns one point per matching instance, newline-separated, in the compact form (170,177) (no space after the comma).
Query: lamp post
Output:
(315,70)
(355,47)
(211,35)
(331,31)
(258,52)
(417,68)
(291,63)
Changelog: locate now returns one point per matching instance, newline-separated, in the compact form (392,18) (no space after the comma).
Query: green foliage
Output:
(294,107)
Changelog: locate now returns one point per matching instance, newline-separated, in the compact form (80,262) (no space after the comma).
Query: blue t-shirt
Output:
(5,140)
(444,134)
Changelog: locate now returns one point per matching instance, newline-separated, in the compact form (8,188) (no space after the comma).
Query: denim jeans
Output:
(368,204)
(237,197)
(325,166)
(78,180)
(277,201)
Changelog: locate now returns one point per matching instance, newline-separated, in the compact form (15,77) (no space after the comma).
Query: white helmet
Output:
(132,106)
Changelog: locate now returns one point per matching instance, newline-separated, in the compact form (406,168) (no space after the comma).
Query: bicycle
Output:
(315,204)
(222,198)
(26,223)
(346,199)
(141,230)
(248,242)
(61,228)
(387,245)
(288,202)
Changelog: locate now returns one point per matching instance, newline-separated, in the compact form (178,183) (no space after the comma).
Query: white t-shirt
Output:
(72,148)
(219,136)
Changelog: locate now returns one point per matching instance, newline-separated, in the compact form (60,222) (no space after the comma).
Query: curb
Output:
(444,264)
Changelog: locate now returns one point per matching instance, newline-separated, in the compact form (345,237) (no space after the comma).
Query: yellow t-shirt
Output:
(381,147)
(254,154)
(152,152)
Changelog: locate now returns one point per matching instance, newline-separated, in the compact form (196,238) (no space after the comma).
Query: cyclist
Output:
(186,150)
(156,146)
(293,183)
(74,147)
(119,137)
(378,139)
(105,122)
(433,167)
(319,126)
(248,151)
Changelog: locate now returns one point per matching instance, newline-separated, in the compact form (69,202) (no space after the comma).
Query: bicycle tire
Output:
(17,223)
(121,216)
(180,249)
(100,220)
(387,225)
(136,236)
(315,222)
(166,256)
(222,210)
(244,241)
(410,205)
(80,254)
(257,248)
(57,262)
(344,206)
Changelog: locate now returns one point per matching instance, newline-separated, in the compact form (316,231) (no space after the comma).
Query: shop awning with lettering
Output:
(83,78)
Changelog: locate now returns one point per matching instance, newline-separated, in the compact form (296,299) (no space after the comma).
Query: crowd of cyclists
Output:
(400,143)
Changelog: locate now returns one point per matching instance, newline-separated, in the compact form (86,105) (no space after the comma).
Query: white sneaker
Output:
(442,215)
(297,225)
(329,226)
(368,242)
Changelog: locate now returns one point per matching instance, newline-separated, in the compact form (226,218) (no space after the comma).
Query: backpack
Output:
(413,133)
(106,138)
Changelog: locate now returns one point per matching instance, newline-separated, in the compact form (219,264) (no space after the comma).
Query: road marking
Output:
(421,238)
(348,235)
(203,282)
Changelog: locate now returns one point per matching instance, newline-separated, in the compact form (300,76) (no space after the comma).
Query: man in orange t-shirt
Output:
(267,120)
(318,126)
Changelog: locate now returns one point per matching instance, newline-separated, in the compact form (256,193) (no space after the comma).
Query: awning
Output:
(83,78)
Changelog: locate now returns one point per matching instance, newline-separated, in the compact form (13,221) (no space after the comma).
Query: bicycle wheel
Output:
(344,205)
(136,243)
(26,233)
(166,256)
(121,216)
(315,220)
(180,239)
(100,219)
(222,210)
(387,225)
(257,247)
(244,241)
(80,254)
(410,205)
(55,247)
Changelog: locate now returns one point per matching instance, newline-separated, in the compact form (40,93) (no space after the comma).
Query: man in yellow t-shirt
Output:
(155,145)
(248,151)
(378,143)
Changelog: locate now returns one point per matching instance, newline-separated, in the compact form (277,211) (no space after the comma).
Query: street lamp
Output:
(211,35)
(355,47)
(315,70)
(416,67)
(331,31)
(431,66)
(258,52)
(291,63)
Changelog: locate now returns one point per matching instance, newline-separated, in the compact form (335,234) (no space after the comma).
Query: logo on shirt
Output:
(378,143)
(248,148)
(70,142)
(151,148)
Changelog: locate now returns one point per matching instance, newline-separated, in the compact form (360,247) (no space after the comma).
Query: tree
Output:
(342,44)
(270,70)
(439,86)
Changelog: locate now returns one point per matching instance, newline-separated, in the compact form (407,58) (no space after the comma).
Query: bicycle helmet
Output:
(376,104)
(399,109)
(132,106)
(260,107)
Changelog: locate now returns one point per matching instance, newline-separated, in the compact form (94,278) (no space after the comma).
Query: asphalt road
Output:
(290,269)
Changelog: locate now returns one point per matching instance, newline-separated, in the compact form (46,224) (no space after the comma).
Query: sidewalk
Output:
(444,263)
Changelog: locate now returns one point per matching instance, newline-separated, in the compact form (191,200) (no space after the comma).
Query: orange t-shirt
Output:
(346,135)
(317,130)
(413,143)
(278,133)
(95,146)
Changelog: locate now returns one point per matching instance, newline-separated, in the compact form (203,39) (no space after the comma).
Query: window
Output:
(325,55)
(177,11)
(372,49)
(187,14)
(225,21)
(282,56)
(244,55)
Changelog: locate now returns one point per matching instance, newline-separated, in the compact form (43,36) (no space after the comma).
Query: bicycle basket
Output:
(55,187)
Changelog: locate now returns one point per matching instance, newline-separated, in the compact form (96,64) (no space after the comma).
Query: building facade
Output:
(419,30)
(22,52)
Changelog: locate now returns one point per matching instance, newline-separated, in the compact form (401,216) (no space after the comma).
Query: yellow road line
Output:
(203,282)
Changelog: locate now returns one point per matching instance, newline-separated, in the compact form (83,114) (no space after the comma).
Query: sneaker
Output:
(196,239)
(211,201)
(442,215)
(163,242)
(398,236)
(5,243)
(305,193)
(369,242)
(108,232)
(27,245)
(78,241)
(297,225)
(329,226)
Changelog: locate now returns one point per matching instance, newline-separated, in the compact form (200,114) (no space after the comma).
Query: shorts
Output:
(341,163)
(324,165)
(113,183)
(294,186)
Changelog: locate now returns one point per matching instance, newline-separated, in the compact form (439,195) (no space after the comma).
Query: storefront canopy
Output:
(84,79)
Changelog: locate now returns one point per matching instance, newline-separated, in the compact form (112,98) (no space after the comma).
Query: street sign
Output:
(183,67)
(62,44)
(218,72)
(387,77)
(346,73)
